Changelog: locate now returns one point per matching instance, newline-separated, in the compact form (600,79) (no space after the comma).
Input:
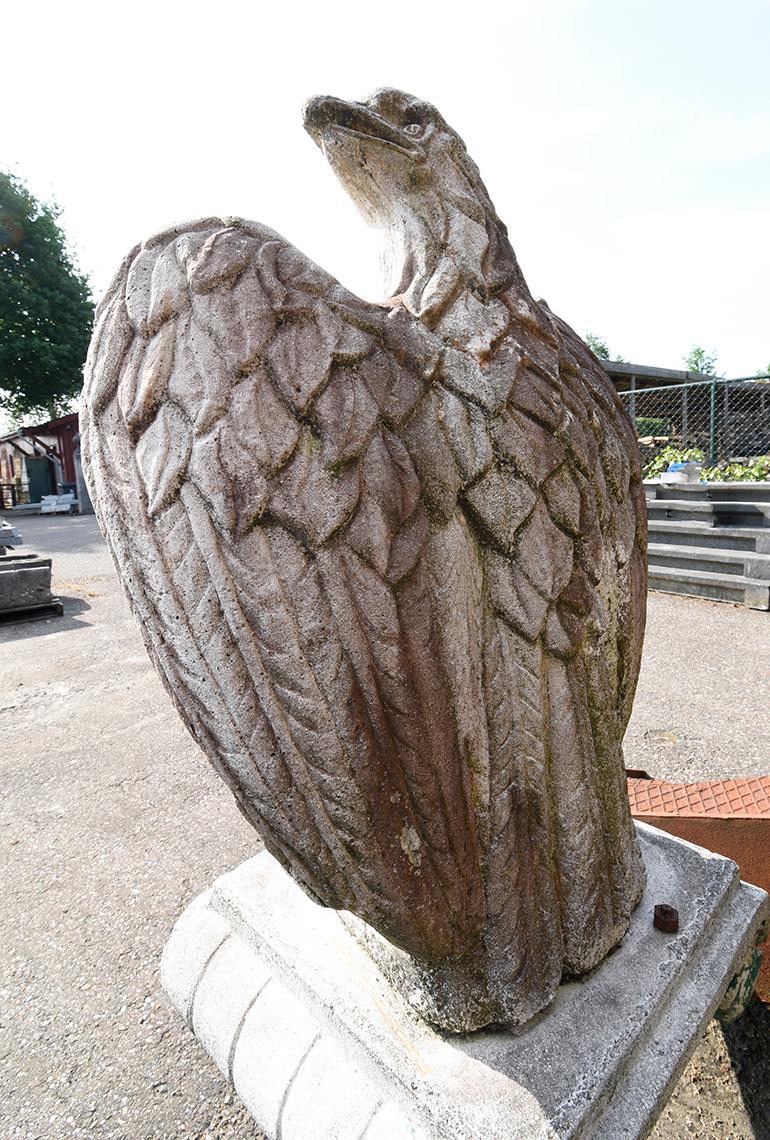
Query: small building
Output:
(38,460)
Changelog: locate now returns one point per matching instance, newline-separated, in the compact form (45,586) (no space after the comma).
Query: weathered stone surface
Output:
(390,562)
(25,582)
(327,1038)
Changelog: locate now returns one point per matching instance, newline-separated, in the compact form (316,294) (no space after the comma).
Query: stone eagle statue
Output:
(389,561)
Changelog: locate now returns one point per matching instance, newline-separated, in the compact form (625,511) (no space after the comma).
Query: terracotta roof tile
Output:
(746,798)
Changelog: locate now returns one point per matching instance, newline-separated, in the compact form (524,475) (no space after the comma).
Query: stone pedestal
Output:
(319,1046)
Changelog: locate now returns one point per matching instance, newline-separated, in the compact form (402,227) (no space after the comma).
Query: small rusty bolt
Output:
(666,918)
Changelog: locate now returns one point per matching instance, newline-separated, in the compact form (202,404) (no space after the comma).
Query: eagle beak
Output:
(325,113)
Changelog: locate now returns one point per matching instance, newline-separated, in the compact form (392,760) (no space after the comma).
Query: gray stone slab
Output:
(25,582)
(311,1031)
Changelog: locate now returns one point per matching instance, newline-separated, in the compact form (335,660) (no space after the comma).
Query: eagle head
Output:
(410,175)
(384,150)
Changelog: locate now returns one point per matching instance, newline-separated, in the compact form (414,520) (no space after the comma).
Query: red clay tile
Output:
(747,799)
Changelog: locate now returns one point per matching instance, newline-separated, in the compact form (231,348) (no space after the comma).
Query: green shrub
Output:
(652,425)
(756,470)
(669,455)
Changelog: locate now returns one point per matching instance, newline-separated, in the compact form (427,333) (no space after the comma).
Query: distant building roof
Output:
(50,427)
(63,429)
(626,376)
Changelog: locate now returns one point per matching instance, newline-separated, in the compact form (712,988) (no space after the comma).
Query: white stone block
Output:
(327,1048)
(333,1093)
(197,935)
(276,1037)
(219,1008)
(390,1123)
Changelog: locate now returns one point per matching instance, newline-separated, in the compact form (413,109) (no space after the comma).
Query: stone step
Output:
(743,563)
(716,492)
(32,613)
(710,513)
(753,592)
(699,534)
(12,561)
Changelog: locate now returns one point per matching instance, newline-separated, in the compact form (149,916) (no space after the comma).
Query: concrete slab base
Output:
(318,1045)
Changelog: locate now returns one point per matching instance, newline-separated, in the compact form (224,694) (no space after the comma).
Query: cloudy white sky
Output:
(625,143)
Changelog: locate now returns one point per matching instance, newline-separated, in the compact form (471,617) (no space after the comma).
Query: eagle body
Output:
(389,561)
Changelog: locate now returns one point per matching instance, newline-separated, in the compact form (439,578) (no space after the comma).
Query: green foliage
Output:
(652,425)
(668,455)
(699,360)
(755,470)
(598,346)
(46,310)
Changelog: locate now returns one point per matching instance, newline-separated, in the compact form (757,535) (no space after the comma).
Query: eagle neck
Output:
(449,263)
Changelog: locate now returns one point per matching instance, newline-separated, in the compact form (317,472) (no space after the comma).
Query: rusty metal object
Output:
(666,918)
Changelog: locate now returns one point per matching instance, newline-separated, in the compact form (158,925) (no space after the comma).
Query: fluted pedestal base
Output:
(318,1044)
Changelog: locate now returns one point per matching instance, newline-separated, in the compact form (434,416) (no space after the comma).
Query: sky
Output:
(626,144)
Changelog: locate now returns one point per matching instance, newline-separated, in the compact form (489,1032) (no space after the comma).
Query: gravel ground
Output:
(111,822)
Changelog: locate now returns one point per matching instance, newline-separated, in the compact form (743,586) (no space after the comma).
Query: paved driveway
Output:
(111,821)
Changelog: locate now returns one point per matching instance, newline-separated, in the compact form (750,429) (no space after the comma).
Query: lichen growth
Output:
(410,844)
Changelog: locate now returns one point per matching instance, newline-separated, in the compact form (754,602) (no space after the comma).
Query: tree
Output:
(699,360)
(598,346)
(46,310)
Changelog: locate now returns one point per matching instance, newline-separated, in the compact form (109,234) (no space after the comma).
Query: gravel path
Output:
(111,822)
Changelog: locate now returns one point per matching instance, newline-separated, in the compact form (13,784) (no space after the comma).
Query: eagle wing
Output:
(536,563)
(396,594)
(242,445)
(558,513)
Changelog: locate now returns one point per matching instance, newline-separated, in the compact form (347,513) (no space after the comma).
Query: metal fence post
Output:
(713,423)
(727,434)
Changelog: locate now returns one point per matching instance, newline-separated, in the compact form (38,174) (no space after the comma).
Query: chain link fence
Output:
(727,420)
